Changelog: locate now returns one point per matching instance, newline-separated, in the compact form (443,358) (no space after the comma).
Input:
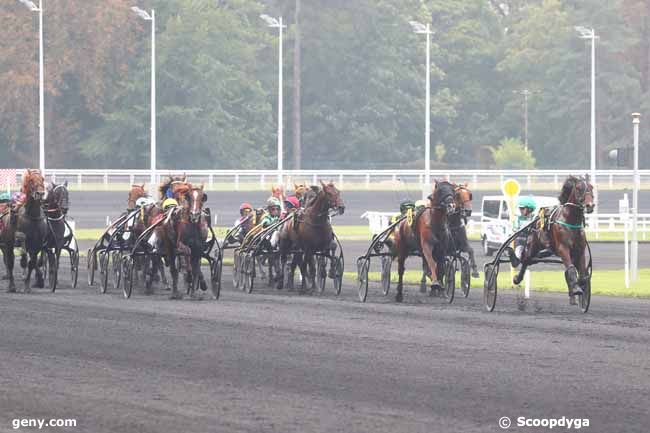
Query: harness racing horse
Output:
(8,223)
(458,224)
(57,203)
(32,227)
(309,231)
(428,234)
(562,233)
(182,234)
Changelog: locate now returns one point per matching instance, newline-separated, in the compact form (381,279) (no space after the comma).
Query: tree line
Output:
(354,83)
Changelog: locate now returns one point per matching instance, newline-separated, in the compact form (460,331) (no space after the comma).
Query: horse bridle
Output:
(580,197)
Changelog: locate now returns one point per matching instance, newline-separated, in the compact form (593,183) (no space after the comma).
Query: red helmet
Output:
(245,206)
(292,202)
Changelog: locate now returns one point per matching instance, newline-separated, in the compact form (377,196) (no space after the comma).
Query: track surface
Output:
(278,362)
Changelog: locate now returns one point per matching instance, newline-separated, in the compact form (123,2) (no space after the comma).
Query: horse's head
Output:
(577,191)
(136,192)
(463,199)
(33,185)
(196,199)
(58,197)
(333,197)
(443,197)
(277,191)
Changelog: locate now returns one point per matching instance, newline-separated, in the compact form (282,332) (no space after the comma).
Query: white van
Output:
(495,220)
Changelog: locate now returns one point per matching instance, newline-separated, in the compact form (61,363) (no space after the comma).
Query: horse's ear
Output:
(205,197)
(65,183)
(322,183)
(141,185)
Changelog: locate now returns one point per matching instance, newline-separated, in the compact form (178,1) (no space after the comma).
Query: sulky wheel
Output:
(116,269)
(363,265)
(236,269)
(104,260)
(490,286)
(450,280)
(338,274)
(92,265)
(249,272)
(465,277)
(215,277)
(585,298)
(386,262)
(321,273)
(128,275)
(74,267)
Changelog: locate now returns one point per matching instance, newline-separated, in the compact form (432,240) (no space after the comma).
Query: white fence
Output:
(367,178)
(596,224)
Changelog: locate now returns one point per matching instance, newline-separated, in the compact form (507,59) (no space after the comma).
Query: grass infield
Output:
(605,282)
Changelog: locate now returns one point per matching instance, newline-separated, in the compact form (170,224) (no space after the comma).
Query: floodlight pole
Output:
(153,99)
(280,107)
(634,253)
(41,96)
(41,84)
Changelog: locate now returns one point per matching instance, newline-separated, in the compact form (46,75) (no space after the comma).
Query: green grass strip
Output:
(604,282)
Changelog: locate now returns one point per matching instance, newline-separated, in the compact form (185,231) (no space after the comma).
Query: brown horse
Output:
(183,234)
(136,192)
(32,227)
(561,231)
(428,234)
(309,231)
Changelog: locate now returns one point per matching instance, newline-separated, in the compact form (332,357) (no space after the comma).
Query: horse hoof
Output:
(423,288)
(399,297)
(572,300)
(436,288)
(576,291)
(11,289)
(517,280)
(175,296)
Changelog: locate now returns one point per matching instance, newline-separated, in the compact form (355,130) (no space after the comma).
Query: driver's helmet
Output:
(144,201)
(527,203)
(292,203)
(245,208)
(273,202)
(406,205)
(169,202)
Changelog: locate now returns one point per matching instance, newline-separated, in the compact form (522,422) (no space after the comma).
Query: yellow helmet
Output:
(168,203)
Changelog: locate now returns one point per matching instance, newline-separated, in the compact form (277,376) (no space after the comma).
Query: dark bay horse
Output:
(561,231)
(428,234)
(309,231)
(458,224)
(57,203)
(8,224)
(32,227)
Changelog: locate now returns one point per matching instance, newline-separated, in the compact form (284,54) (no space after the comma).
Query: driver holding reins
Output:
(527,208)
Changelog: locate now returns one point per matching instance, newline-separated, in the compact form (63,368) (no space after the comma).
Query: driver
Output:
(273,208)
(527,208)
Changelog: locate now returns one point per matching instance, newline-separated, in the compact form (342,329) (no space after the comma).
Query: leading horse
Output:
(32,227)
(428,234)
(560,230)
(309,231)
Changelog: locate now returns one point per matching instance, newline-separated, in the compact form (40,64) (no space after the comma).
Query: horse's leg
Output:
(472,260)
(40,283)
(580,262)
(31,265)
(174,271)
(570,271)
(295,262)
(303,270)
(151,266)
(423,280)
(427,254)
(8,255)
(401,259)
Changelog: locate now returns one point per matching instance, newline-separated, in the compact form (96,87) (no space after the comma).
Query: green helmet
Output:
(273,201)
(527,202)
